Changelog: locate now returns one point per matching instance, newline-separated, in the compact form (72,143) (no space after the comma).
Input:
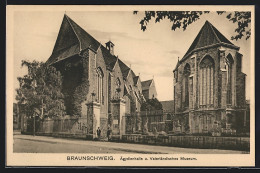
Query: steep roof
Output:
(146,84)
(72,39)
(135,79)
(124,68)
(207,36)
(109,59)
(67,43)
(85,39)
(126,90)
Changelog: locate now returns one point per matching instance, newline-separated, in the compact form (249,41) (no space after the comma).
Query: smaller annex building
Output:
(209,86)
(148,89)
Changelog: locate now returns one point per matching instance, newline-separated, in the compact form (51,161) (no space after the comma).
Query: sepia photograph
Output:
(130,86)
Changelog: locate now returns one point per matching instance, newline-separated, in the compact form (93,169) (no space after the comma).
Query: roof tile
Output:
(208,35)
(146,84)
(72,39)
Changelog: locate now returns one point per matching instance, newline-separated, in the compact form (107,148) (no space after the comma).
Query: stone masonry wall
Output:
(219,55)
(213,52)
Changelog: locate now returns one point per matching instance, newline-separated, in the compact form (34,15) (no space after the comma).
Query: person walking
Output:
(98,133)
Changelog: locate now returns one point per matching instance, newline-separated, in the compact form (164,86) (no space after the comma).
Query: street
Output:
(43,144)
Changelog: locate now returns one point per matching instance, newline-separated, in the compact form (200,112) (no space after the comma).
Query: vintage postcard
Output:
(130,86)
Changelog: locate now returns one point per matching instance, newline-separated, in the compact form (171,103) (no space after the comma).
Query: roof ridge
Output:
(109,59)
(148,80)
(193,43)
(86,40)
(227,40)
(213,30)
(147,83)
(116,61)
(67,17)
(83,30)
(207,30)
(136,78)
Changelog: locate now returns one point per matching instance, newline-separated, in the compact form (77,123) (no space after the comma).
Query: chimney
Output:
(110,47)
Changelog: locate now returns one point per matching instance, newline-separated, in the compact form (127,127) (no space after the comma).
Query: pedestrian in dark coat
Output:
(98,132)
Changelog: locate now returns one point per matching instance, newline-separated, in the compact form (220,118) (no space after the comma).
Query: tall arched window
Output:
(118,87)
(118,83)
(228,65)
(206,81)
(100,94)
(109,93)
(109,120)
(185,85)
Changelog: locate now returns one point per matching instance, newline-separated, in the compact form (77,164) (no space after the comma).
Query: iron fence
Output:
(145,122)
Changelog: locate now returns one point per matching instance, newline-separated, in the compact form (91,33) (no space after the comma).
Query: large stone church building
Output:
(97,85)
(209,87)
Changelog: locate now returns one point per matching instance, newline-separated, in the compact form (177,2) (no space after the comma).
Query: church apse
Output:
(209,87)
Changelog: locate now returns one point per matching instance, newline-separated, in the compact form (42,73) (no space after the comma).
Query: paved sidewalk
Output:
(120,147)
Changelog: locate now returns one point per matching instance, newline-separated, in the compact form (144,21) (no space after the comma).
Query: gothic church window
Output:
(100,94)
(185,85)
(118,87)
(228,65)
(206,81)
(118,83)
(109,92)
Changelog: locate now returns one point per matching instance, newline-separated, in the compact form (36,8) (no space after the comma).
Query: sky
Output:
(151,54)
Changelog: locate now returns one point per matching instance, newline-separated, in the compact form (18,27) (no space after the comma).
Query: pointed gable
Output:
(177,65)
(71,40)
(124,68)
(136,79)
(207,36)
(109,59)
(146,84)
(138,83)
(66,37)
(86,40)
(126,90)
(67,43)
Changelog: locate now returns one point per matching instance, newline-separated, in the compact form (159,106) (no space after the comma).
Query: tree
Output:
(151,104)
(75,95)
(40,90)
(185,18)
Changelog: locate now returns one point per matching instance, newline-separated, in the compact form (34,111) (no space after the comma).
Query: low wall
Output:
(231,143)
(59,135)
